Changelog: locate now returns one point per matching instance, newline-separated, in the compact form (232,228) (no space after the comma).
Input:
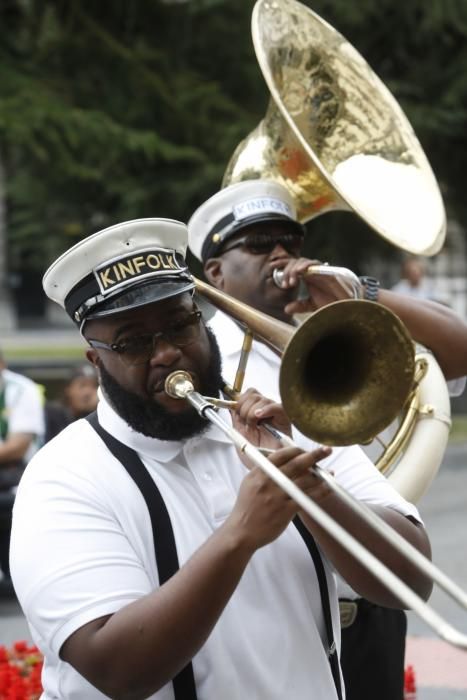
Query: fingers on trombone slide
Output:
(298,466)
(253,409)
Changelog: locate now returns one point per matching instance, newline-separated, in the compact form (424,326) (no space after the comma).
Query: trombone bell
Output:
(346,372)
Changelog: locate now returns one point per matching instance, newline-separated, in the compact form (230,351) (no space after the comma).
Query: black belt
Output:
(349,609)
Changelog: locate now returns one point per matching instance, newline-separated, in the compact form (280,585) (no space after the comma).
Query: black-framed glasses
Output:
(264,243)
(139,349)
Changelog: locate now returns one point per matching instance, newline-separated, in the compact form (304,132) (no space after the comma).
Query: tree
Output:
(116,110)
(7,317)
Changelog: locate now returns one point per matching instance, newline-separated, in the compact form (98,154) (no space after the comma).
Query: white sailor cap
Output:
(121,267)
(235,207)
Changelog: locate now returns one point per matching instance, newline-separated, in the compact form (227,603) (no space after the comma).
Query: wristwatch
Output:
(370,288)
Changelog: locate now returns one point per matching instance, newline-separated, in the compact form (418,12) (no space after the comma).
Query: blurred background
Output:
(115,110)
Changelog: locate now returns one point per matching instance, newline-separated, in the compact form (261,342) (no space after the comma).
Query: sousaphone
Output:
(336,138)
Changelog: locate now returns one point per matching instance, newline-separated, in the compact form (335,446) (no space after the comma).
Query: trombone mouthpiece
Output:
(178,384)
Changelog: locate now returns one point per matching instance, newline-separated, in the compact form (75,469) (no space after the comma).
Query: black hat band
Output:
(115,276)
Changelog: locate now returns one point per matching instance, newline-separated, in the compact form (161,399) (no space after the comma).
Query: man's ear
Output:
(92,356)
(214,273)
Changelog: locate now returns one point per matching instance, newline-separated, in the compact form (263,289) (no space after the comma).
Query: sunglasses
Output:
(263,243)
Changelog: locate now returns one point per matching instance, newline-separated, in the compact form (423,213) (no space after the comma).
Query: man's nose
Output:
(164,353)
(279,252)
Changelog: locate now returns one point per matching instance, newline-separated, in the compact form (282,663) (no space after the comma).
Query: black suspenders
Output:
(164,541)
(324,592)
(167,559)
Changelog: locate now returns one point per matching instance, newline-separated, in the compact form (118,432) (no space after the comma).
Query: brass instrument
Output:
(336,366)
(179,385)
(412,455)
(333,134)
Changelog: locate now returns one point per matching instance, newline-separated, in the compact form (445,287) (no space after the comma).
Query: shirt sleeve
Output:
(71,559)
(355,472)
(358,475)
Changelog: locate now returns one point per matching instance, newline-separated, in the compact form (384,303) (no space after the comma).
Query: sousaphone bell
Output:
(333,134)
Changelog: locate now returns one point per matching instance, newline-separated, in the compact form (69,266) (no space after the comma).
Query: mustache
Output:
(159,384)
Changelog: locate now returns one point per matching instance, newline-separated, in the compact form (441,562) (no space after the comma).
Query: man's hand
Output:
(322,289)
(252,410)
(263,510)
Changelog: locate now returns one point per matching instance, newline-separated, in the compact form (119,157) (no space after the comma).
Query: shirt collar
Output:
(159,450)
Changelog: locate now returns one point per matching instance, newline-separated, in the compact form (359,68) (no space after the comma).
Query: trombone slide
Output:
(179,385)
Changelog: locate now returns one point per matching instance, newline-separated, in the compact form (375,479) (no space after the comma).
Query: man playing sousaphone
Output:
(242,235)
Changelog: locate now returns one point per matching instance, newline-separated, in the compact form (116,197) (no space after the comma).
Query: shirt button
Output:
(207,476)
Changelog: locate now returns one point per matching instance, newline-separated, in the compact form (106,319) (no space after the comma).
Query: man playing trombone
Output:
(244,235)
(150,560)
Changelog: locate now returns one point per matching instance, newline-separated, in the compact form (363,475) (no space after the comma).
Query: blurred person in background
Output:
(79,398)
(414,282)
(21,433)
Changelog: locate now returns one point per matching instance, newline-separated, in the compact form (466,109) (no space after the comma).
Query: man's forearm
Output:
(436,327)
(14,448)
(355,573)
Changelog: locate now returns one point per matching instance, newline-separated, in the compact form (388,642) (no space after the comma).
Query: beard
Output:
(146,416)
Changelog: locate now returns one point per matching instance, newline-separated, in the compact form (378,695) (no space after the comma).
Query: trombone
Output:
(179,385)
(345,324)
(335,365)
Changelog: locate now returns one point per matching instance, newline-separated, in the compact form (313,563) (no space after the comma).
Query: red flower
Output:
(410,686)
(20,672)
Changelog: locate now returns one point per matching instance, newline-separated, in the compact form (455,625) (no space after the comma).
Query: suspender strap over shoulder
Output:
(163,536)
(325,603)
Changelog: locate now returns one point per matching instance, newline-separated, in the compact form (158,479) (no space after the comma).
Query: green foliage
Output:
(118,110)
(104,116)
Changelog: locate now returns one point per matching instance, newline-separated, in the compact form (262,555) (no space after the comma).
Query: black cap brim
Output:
(213,248)
(141,295)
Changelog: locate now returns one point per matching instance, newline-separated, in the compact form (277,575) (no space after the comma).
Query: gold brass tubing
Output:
(240,374)
(406,428)
(222,403)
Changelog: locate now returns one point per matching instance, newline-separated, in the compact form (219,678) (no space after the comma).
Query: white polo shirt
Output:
(82,548)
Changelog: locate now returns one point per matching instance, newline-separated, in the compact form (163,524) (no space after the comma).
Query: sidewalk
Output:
(13,625)
(440,669)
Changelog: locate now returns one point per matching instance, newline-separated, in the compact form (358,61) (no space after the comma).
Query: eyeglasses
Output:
(263,243)
(140,348)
